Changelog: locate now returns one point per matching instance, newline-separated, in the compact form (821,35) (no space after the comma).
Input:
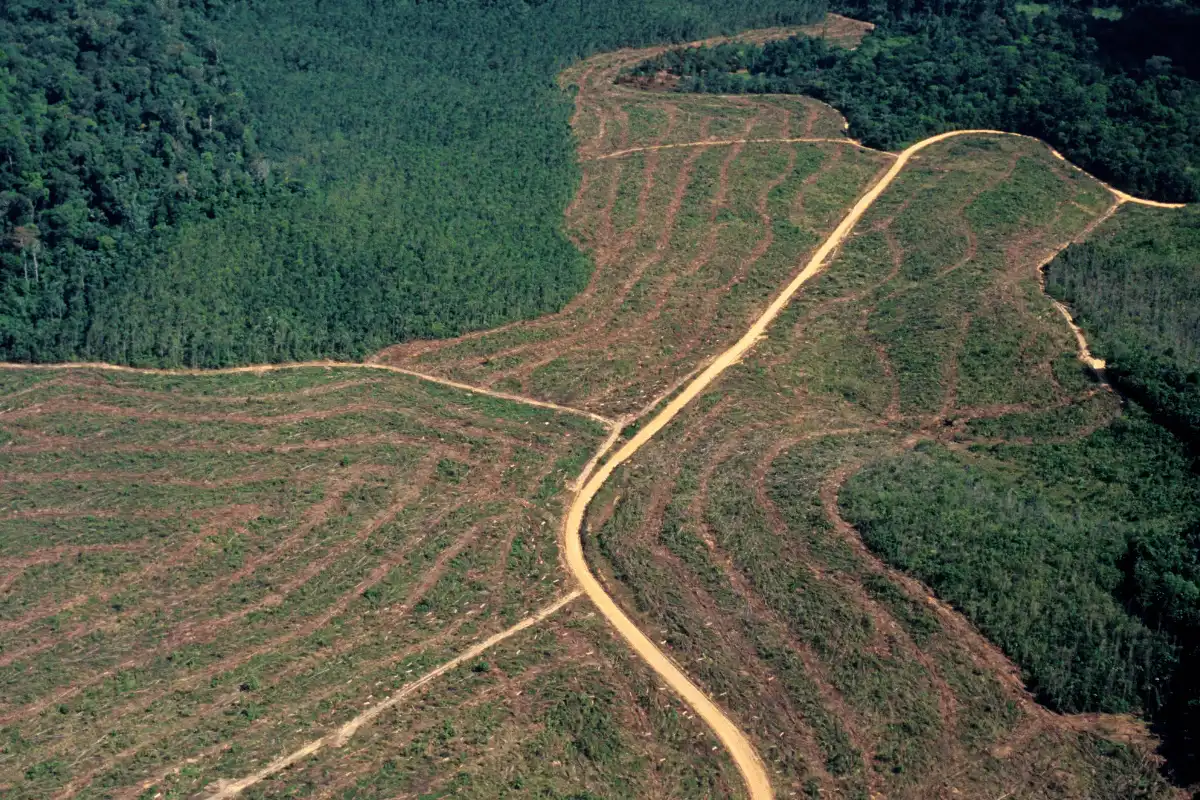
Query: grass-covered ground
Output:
(928,330)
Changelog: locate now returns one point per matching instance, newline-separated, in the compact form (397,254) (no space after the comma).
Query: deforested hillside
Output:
(811,492)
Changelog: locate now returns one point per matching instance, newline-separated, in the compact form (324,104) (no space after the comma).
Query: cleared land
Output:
(692,236)
(726,533)
(203,572)
(241,565)
(217,571)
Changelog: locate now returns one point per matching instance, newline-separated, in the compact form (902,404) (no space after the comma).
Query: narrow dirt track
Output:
(261,368)
(720,142)
(740,749)
(593,477)
(1085,354)
(343,734)
(1122,197)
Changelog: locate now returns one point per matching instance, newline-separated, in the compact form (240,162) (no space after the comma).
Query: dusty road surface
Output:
(743,753)
(598,471)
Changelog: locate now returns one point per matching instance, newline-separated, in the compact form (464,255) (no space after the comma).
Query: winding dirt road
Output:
(595,474)
(740,749)
(1122,197)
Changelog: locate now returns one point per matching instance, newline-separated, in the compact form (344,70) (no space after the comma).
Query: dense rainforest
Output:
(1135,288)
(211,182)
(1078,558)
(1115,88)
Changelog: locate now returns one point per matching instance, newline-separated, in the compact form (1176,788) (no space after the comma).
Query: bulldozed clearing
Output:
(220,584)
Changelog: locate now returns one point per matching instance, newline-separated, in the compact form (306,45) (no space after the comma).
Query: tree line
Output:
(1136,291)
(214,182)
(1076,76)
(1078,559)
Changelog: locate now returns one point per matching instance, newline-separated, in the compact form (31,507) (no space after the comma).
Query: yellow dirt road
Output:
(594,475)
(1123,197)
(743,753)
(1084,352)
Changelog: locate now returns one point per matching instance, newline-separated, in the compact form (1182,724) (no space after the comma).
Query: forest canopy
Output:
(212,182)
(1080,559)
(1135,289)
(1107,86)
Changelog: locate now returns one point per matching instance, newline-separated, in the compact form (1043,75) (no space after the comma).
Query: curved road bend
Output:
(743,753)
(747,760)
